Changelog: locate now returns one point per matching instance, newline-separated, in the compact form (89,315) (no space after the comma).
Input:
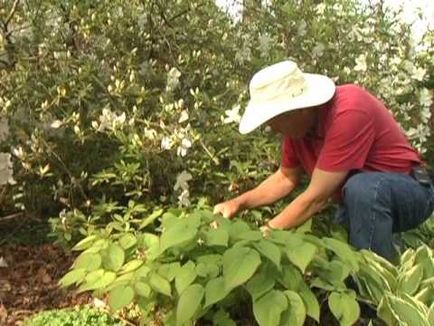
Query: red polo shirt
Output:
(355,131)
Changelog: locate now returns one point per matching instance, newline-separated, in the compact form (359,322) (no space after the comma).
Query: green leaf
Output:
(270,251)
(249,235)
(74,276)
(409,281)
(310,302)
(160,284)
(97,281)
(142,289)
(127,241)
(186,276)
(268,309)
(215,291)
(344,251)
(85,243)
(344,307)
(296,312)
(179,233)
(151,218)
(302,255)
(189,303)
(121,280)
(239,265)
(207,270)
(222,318)
(143,271)
(120,296)
(169,271)
(88,261)
(260,284)
(237,228)
(424,256)
(402,311)
(113,257)
(131,266)
(292,278)
(217,237)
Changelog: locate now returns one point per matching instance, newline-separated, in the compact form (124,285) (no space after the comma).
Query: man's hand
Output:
(228,208)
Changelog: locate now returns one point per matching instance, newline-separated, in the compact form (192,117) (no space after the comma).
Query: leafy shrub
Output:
(205,266)
(79,316)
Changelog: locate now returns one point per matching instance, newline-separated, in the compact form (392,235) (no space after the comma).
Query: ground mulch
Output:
(29,283)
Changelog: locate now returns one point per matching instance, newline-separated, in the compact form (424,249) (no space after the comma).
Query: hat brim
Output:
(319,90)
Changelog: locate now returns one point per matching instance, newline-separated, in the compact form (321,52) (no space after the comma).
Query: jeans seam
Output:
(373,213)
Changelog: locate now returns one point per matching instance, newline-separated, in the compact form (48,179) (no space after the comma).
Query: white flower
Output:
(3,262)
(6,171)
(166,143)
(361,63)
(185,145)
(150,133)
(184,198)
(183,117)
(232,115)
(419,74)
(172,79)
(265,42)
(425,97)
(56,124)
(182,181)
(318,50)
(320,8)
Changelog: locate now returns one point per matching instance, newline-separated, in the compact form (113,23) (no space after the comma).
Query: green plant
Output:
(79,316)
(205,267)
(404,293)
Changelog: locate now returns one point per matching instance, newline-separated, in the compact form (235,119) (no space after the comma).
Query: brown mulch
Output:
(29,283)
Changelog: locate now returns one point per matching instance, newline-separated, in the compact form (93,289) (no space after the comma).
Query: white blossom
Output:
(318,50)
(6,171)
(301,29)
(183,117)
(419,74)
(56,124)
(425,97)
(172,79)
(361,63)
(182,181)
(183,147)
(150,133)
(232,115)
(184,198)
(166,143)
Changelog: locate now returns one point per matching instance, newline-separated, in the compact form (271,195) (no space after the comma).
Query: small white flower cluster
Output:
(172,79)
(232,116)
(182,185)
(109,120)
(6,170)
(181,138)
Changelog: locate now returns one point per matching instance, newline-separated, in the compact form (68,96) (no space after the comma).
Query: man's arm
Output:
(322,186)
(275,187)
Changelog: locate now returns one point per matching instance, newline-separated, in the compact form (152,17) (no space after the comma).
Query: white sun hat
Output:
(280,88)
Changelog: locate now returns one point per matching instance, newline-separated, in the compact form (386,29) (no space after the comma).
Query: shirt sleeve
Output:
(289,158)
(347,143)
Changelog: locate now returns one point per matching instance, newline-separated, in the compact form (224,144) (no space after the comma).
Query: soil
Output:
(29,282)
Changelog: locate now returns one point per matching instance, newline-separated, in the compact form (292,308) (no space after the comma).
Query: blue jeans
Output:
(377,204)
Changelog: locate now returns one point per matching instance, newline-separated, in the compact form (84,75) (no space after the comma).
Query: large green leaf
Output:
(402,311)
(85,243)
(127,241)
(215,291)
(88,261)
(99,280)
(179,233)
(409,281)
(292,278)
(160,284)
(217,237)
(113,257)
(131,266)
(222,318)
(344,307)
(302,255)
(344,251)
(296,312)
(74,276)
(120,296)
(151,218)
(142,289)
(189,302)
(310,302)
(239,265)
(186,275)
(260,284)
(270,251)
(169,271)
(268,309)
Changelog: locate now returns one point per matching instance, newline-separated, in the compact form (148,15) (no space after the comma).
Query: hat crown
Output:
(281,79)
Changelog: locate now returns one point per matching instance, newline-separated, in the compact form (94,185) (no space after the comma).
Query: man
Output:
(353,150)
